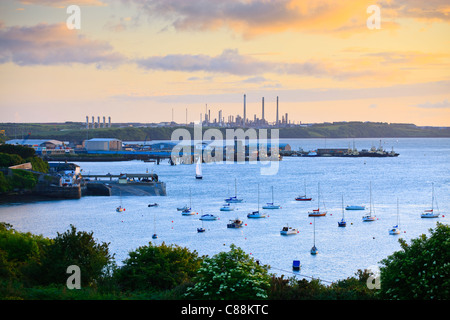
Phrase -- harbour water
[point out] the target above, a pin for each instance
(342, 251)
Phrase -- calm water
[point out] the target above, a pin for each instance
(342, 251)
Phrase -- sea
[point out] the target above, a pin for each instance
(408, 179)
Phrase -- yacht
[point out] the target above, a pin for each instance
(227, 207)
(430, 213)
(208, 217)
(369, 217)
(236, 223)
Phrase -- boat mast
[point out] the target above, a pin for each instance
(370, 204)
(398, 217)
(343, 207)
(432, 196)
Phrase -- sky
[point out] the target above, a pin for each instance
(151, 60)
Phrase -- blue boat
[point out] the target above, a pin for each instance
(342, 223)
(296, 265)
(355, 208)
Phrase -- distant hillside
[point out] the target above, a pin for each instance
(75, 132)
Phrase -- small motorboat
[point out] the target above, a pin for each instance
(152, 205)
(199, 230)
(154, 236)
(208, 217)
(296, 265)
(236, 223)
(120, 209)
(288, 231)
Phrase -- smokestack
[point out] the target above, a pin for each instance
(93, 122)
(245, 117)
(109, 122)
(277, 113)
(104, 122)
(87, 122)
(98, 121)
(263, 108)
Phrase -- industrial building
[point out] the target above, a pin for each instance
(103, 144)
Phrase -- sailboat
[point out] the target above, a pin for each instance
(154, 236)
(430, 213)
(370, 217)
(395, 229)
(314, 249)
(234, 199)
(120, 208)
(187, 211)
(256, 214)
(271, 205)
(304, 197)
(198, 169)
(227, 207)
(342, 223)
(317, 212)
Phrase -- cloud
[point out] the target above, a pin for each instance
(438, 10)
(437, 105)
(253, 17)
(230, 61)
(53, 44)
(63, 3)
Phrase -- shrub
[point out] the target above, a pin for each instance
(230, 275)
(157, 267)
(420, 270)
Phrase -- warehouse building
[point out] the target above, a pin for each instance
(103, 144)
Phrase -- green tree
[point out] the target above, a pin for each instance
(157, 267)
(230, 275)
(420, 270)
(74, 248)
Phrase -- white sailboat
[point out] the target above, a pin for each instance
(271, 205)
(234, 199)
(256, 214)
(370, 217)
(304, 197)
(317, 212)
(198, 169)
(431, 213)
(188, 211)
(395, 229)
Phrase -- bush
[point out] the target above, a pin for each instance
(230, 275)
(157, 268)
(420, 270)
(74, 248)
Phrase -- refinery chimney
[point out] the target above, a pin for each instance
(262, 109)
(245, 118)
(109, 122)
(87, 122)
(277, 113)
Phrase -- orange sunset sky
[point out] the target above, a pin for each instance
(137, 60)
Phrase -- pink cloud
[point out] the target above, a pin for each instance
(53, 44)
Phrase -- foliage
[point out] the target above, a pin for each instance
(74, 248)
(230, 275)
(8, 160)
(420, 270)
(157, 267)
(22, 151)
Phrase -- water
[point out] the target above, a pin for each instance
(342, 251)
